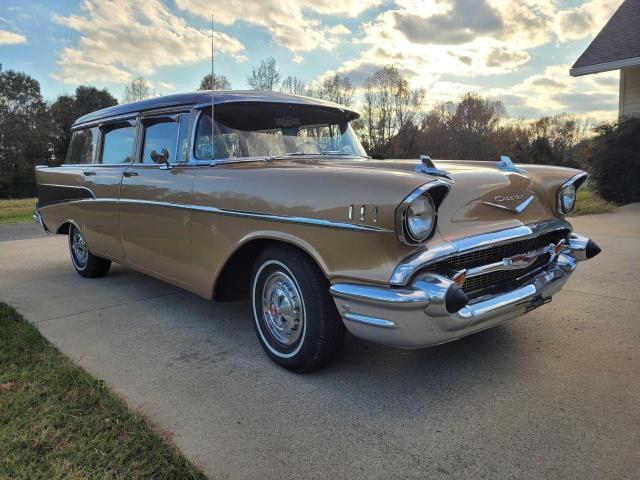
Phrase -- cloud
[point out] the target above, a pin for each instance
(297, 58)
(11, 38)
(122, 39)
(436, 42)
(587, 102)
(285, 20)
(585, 20)
(462, 22)
(504, 57)
(430, 39)
(554, 91)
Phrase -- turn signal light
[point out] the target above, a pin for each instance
(558, 248)
(460, 277)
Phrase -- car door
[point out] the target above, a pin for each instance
(100, 224)
(155, 200)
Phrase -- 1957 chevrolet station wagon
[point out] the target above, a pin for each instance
(276, 200)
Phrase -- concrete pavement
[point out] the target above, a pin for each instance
(20, 231)
(553, 394)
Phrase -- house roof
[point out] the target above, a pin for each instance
(204, 98)
(616, 46)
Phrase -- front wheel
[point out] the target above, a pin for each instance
(85, 262)
(295, 318)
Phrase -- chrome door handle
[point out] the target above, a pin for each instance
(88, 173)
(130, 174)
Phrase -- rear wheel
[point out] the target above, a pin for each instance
(295, 318)
(86, 263)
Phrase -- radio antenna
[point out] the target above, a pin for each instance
(213, 159)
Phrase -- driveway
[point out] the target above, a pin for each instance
(553, 394)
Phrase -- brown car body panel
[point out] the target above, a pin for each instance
(189, 247)
(183, 223)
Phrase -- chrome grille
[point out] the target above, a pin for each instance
(476, 286)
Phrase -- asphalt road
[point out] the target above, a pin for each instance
(553, 394)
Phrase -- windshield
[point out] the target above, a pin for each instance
(268, 130)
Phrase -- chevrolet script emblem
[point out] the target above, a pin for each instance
(515, 202)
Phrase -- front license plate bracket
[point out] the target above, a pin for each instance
(537, 302)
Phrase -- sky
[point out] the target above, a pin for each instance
(518, 51)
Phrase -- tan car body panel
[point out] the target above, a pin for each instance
(189, 247)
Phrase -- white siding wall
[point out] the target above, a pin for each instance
(630, 92)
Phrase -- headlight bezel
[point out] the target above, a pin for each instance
(573, 183)
(433, 192)
(410, 218)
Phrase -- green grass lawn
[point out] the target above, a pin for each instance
(588, 202)
(56, 421)
(15, 211)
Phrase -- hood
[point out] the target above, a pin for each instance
(482, 197)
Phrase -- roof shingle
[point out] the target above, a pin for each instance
(618, 41)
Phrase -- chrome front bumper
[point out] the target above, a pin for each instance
(418, 315)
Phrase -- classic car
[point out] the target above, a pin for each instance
(271, 197)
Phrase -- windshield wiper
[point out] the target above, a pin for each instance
(304, 154)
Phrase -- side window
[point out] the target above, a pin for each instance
(226, 142)
(160, 140)
(118, 141)
(83, 146)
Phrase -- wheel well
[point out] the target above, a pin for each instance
(235, 277)
(64, 228)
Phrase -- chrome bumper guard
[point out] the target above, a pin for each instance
(421, 314)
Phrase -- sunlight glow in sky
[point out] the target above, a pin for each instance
(518, 51)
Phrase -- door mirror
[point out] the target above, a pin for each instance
(162, 157)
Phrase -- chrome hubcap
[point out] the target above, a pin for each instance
(282, 308)
(79, 248)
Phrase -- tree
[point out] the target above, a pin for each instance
(265, 76)
(24, 133)
(220, 82)
(615, 160)
(293, 85)
(474, 121)
(68, 108)
(138, 89)
(336, 89)
(390, 105)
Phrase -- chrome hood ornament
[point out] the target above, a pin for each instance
(506, 165)
(516, 202)
(427, 166)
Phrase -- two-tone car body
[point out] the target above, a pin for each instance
(277, 201)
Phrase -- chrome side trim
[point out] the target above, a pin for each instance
(238, 213)
(578, 180)
(288, 219)
(408, 267)
(367, 320)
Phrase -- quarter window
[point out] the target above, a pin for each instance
(166, 139)
(117, 146)
(83, 146)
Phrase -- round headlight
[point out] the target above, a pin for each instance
(567, 198)
(420, 218)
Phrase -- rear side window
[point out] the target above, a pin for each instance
(166, 139)
(83, 146)
(118, 142)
